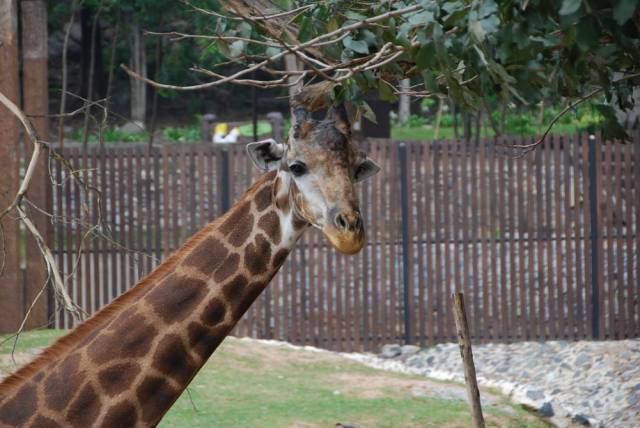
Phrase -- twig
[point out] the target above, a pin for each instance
(94, 27)
(289, 49)
(52, 267)
(571, 106)
(65, 48)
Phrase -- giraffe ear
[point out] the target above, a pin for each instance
(266, 154)
(365, 170)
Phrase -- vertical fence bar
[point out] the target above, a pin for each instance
(225, 191)
(595, 251)
(404, 206)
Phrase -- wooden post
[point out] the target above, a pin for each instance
(36, 102)
(464, 340)
(11, 302)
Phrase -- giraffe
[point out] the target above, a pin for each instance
(126, 365)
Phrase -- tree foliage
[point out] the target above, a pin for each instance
(474, 51)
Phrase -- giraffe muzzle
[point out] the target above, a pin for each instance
(346, 233)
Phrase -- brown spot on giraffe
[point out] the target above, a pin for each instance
(270, 223)
(257, 255)
(235, 288)
(283, 202)
(163, 396)
(18, 410)
(207, 256)
(132, 340)
(251, 293)
(176, 297)
(123, 414)
(61, 385)
(214, 312)
(228, 268)
(205, 340)
(118, 377)
(84, 409)
(238, 225)
(263, 198)
(173, 360)
(280, 257)
(44, 422)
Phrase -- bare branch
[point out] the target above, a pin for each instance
(176, 36)
(340, 32)
(52, 267)
(569, 107)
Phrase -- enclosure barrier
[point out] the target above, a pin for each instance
(544, 245)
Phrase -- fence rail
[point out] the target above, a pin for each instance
(544, 245)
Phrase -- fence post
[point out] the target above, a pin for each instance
(225, 198)
(207, 128)
(404, 206)
(595, 251)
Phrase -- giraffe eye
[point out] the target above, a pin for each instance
(298, 169)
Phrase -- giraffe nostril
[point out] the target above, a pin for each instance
(341, 222)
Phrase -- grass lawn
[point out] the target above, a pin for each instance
(426, 133)
(253, 384)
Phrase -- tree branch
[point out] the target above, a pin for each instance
(52, 267)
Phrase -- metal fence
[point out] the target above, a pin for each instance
(544, 245)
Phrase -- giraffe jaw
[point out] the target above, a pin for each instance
(345, 242)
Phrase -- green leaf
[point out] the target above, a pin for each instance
(611, 126)
(355, 16)
(421, 18)
(272, 50)
(570, 6)
(587, 33)
(476, 30)
(386, 93)
(359, 46)
(237, 48)
(430, 81)
(490, 24)
(425, 56)
(368, 113)
(623, 10)
(487, 8)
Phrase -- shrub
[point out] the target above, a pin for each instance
(112, 135)
(182, 135)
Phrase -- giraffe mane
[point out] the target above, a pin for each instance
(109, 312)
(103, 316)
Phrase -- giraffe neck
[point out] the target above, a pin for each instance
(131, 369)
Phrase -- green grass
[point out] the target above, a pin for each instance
(248, 384)
(29, 340)
(427, 133)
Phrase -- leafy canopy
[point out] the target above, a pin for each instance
(510, 51)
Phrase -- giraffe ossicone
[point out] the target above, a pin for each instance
(127, 364)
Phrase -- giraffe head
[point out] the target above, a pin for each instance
(317, 168)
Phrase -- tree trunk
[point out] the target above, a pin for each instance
(404, 106)
(454, 117)
(11, 301)
(154, 105)
(138, 64)
(291, 63)
(436, 132)
(36, 102)
(85, 45)
(100, 78)
(466, 123)
(90, 81)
